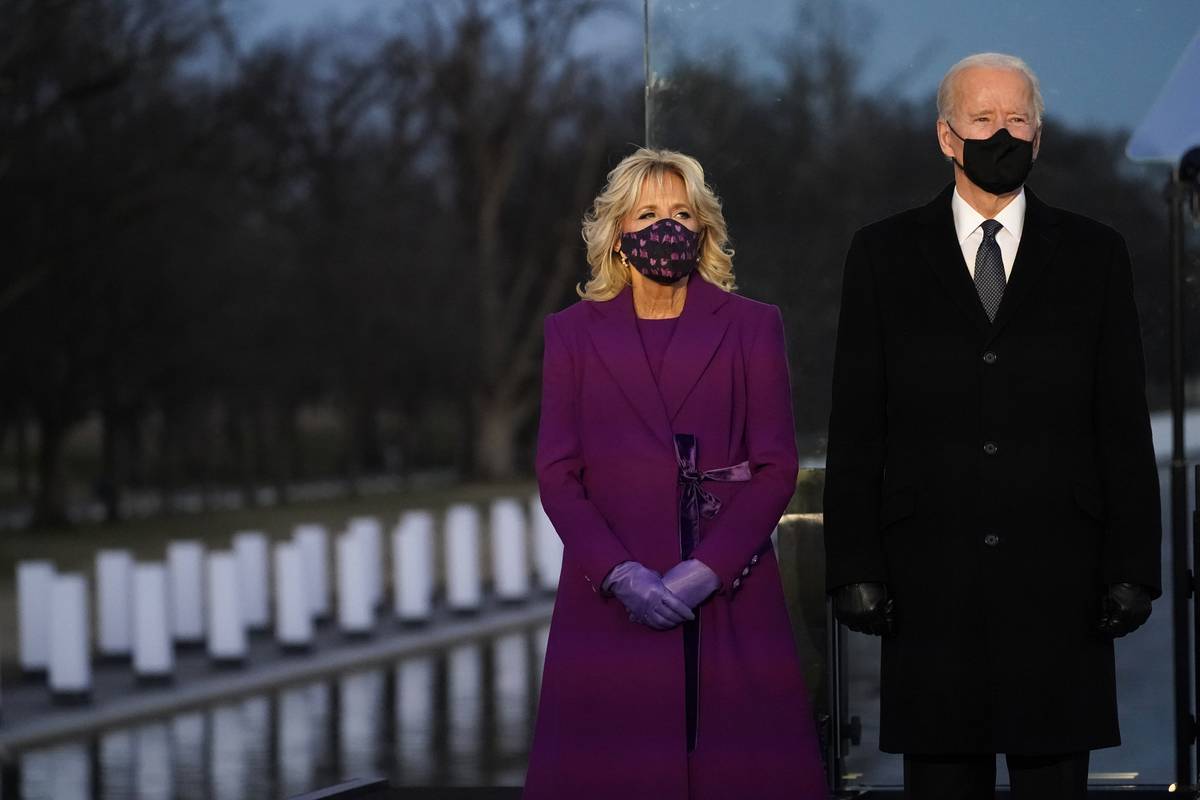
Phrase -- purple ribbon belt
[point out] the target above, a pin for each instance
(696, 502)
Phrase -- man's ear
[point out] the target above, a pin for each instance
(1037, 142)
(944, 136)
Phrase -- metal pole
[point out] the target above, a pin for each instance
(1183, 576)
(836, 696)
(647, 97)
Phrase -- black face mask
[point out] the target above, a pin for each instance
(998, 164)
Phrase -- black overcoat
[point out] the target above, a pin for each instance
(995, 476)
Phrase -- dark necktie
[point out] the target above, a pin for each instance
(989, 269)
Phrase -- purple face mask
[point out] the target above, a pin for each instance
(664, 252)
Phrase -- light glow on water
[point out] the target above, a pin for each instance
(462, 716)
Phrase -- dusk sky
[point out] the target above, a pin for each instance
(1101, 62)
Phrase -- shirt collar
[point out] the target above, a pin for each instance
(967, 220)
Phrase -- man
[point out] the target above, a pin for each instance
(991, 501)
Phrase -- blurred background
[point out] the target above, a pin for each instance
(272, 262)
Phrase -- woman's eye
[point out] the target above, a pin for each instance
(646, 215)
(684, 214)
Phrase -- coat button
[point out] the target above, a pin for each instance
(990, 448)
(991, 540)
(754, 559)
(745, 571)
(989, 357)
(737, 583)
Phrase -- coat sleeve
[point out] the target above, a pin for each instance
(1128, 470)
(586, 537)
(739, 531)
(857, 432)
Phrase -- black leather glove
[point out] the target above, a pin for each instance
(865, 608)
(1123, 609)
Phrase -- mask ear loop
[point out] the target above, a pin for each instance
(961, 139)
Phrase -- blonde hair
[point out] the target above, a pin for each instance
(947, 95)
(602, 223)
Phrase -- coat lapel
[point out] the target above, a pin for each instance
(697, 335)
(616, 339)
(1039, 240)
(939, 246)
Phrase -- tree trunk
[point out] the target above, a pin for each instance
(294, 444)
(166, 459)
(352, 452)
(235, 427)
(49, 507)
(281, 456)
(369, 442)
(109, 484)
(495, 439)
(136, 449)
(259, 447)
(22, 456)
(211, 419)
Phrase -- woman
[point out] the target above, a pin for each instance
(666, 456)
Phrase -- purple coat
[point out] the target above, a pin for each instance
(611, 721)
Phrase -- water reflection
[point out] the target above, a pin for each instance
(464, 713)
(188, 732)
(61, 772)
(302, 741)
(362, 709)
(462, 716)
(151, 762)
(414, 710)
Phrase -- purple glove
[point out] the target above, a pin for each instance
(691, 581)
(642, 593)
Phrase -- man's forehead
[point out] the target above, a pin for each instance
(981, 82)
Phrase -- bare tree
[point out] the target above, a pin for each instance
(508, 106)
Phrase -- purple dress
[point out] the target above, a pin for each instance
(656, 335)
(612, 714)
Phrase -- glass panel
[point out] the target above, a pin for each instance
(815, 118)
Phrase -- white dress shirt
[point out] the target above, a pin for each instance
(967, 222)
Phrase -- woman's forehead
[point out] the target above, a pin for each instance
(662, 186)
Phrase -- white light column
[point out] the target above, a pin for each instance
(355, 615)
(547, 546)
(185, 584)
(313, 540)
(226, 628)
(463, 592)
(70, 673)
(413, 567)
(153, 656)
(35, 582)
(293, 615)
(254, 581)
(510, 555)
(114, 603)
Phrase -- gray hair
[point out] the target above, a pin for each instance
(946, 96)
